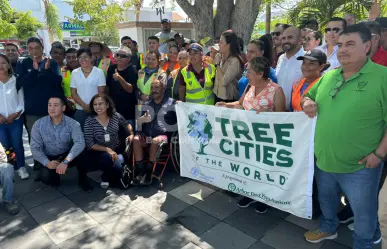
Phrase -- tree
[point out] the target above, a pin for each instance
(6, 13)
(200, 129)
(110, 36)
(238, 15)
(51, 14)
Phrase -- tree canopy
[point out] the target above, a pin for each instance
(51, 14)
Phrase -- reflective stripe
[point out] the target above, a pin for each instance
(202, 100)
(209, 69)
(193, 91)
(188, 75)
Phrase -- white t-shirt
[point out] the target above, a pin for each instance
(164, 37)
(289, 71)
(11, 101)
(87, 87)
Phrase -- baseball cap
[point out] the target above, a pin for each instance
(382, 21)
(196, 47)
(165, 21)
(314, 55)
(216, 47)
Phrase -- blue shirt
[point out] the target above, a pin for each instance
(243, 82)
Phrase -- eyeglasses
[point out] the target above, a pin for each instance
(308, 39)
(339, 85)
(335, 30)
(123, 56)
(276, 33)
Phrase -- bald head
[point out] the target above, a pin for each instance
(291, 40)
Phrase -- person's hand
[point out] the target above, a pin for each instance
(218, 58)
(144, 98)
(52, 164)
(48, 63)
(310, 108)
(112, 153)
(178, 101)
(371, 161)
(12, 117)
(146, 118)
(375, 10)
(3, 120)
(117, 76)
(61, 169)
(222, 104)
(35, 63)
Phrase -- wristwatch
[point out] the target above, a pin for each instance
(66, 161)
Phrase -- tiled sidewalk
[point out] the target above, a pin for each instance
(185, 215)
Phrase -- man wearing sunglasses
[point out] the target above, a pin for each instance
(121, 83)
(350, 138)
(332, 33)
(277, 41)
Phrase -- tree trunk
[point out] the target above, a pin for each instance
(243, 18)
(222, 18)
(268, 17)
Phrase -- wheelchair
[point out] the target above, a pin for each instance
(175, 151)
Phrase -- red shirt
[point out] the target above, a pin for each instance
(199, 76)
(380, 57)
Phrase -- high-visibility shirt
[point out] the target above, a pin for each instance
(142, 58)
(175, 76)
(195, 93)
(145, 87)
(104, 65)
(66, 81)
(296, 93)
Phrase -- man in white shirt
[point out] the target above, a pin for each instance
(332, 35)
(288, 67)
(165, 35)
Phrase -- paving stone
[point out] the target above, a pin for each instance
(53, 210)
(96, 237)
(218, 205)
(162, 205)
(39, 197)
(23, 187)
(260, 245)
(226, 237)
(36, 238)
(194, 220)
(251, 222)
(138, 195)
(4, 213)
(68, 226)
(172, 180)
(286, 235)
(191, 245)
(333, 245)
(16, 226)
(109, 208)
(192, 192)
(127, 227)
(304, 223)
(344, 235)
(69, 181)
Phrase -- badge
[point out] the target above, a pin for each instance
(107, 138)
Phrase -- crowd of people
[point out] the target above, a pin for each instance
(82, 108)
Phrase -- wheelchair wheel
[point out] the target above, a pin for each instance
(175, 152)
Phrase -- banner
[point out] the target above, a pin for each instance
(268, 156)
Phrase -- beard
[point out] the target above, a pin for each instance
(288, 47)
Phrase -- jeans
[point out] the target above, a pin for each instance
(103, 160)
(361, 189)
(80, 116)
(11, 135)
(6, 180)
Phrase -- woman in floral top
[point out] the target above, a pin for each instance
(261, 95)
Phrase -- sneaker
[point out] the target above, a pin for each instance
(345, 215)
(245, 202)
(377, 239)
(316, 236)
(12, 207)
(351, 226)
(23, 173)
(261, 208)
(104, 185)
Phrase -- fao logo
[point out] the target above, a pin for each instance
(195, 172)
(232, 187)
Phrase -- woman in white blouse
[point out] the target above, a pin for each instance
(11, 108)
(86, 82)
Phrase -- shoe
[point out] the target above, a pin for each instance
(261, 208)
(351, 226)
(12, 207)
(316, 236)
(22, 172)
(245, 202)
(377, 239)
(104, 185)
(345, 215)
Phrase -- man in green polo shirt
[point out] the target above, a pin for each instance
(350, 137)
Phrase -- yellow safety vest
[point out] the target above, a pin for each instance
(104, 65)
(195, 93)
(145, 87)
(142, 59)
(66, 81)
(174, 75)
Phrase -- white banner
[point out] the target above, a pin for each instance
(268, 157)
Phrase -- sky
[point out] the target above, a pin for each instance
(168, 4)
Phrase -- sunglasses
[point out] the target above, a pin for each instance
(339, 85)
(308, 39)
(336, 30)
(276, 33)
(121, 56)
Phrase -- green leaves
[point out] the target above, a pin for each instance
(52, 19)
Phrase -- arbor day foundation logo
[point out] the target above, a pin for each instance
(200, 129)
(231, 187)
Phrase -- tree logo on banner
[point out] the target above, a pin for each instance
(200, 129)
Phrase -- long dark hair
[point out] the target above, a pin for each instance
(267, 48)
(232, 39)
(10, 69)
(110, 110)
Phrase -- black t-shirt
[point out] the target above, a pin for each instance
(125, 102)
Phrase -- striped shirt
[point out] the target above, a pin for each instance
(48, 139)
(95, 133)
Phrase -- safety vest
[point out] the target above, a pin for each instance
(166, 65)
(296, 96)
(145, 87)
(66, 81)
(142, 59)
(174, 75)
(104, 65)
(195, 93)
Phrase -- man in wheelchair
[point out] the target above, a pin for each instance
(155, 127)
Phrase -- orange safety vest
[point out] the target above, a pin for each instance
(296, 96)
(166, 65)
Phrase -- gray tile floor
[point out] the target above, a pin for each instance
(185, 215)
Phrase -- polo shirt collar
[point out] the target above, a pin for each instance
(299, 53)
(190, 67)
(61, 122)
(367, 68)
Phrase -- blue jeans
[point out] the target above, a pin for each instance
(81, 116)
(11, 135)
(104, 162)
(6, 180)
(361, 188)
